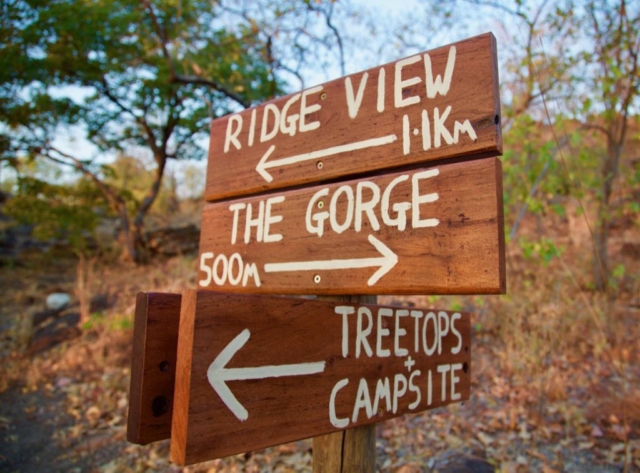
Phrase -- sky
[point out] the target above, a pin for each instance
(384, 13)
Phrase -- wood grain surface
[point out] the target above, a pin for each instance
(403, 113)
(351, 450)
(386, 378)
(452, 241)
(153, 367)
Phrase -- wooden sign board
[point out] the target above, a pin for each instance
(255, 371)
(435, 105)
(153, 367)
(436, 230)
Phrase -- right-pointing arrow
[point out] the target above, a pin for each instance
(218, 374)
(385, 263)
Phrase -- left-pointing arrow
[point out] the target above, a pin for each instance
(218, 374)
(263, 164)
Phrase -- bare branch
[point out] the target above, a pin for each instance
(181, 78)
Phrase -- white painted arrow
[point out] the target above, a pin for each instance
(263, 165)
(218, 375)
(385, 262)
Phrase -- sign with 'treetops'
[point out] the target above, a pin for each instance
(255, 371)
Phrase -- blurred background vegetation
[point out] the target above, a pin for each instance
(105, 108)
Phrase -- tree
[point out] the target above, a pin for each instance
(569, 69)
(613, 82)
(150, 75)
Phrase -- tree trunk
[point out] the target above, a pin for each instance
(130, 250)
(600, 243)
(610, 170)
(141, 212)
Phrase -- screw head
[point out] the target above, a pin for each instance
(323, 96)
(319, 164)
(317, 279)
(320, 204)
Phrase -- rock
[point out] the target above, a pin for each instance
(174, 241)
(57, 300)
(467, 464)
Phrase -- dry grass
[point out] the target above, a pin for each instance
(553, 364)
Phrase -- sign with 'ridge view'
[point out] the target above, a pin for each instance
(439, 104)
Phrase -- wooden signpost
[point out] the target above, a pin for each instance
(259, 371)
(381, 182)
(435, 105)
(435, 230)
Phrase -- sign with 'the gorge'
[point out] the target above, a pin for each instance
(435, 230)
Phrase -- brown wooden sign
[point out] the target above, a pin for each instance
(436, 230)
(153, 367)
(255, 371)
(439, 104)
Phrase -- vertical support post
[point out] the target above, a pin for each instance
(352, 450)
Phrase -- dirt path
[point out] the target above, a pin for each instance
(31, 425)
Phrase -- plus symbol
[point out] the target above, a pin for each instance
(409, 363)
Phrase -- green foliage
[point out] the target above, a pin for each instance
(70, 212)
(100, 320)
(129, 75)
(544, 249)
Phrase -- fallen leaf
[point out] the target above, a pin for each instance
(523, 434)
(618, 448)
(485, 438)
(548, 469)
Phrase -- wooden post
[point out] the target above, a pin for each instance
(351, 450)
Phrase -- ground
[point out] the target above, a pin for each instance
(556, 377)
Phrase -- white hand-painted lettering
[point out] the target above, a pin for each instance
(414, 389)
(398, 333)
(366, 207)
(439, 85)
(333, 215)
(345, 311)
(417, 199)
(408, 388)
(262, 222)
(455, 350)
(308, 110)
(362, 401)
(270, 220)
(354, 211)
(400, 84)
(354, 102)
(288, 122)
(406, 137)
(234, 127)
(383, 332)
(362, 332)
(233, 270)
(265, 134)
(381, 90)
(252, 128)
(333, 418)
